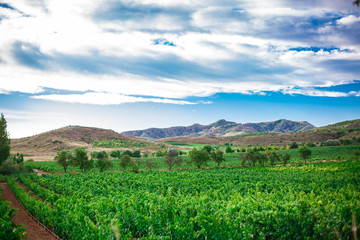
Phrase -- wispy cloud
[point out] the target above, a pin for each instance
(105, 99)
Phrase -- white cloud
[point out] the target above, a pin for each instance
(348, 20)
(315, 93)
(105, 99)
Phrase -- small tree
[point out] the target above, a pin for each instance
(150, 164)
(99, 155)
(104, 164)
(304, 153)
(63, 158)
(199, 157)
(115, 154)
(228, 149)
(285, 158)
(4, 140)
(208, 148)
(217, 156)
(135, 153)
(127, 152)
(273, 157)
(172, 158)
(293, 145)
(125, 160)
(357, 154)
(81, 159)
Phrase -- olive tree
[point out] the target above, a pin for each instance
(63, 158)
(81, 159)
(217, 156)
(304, 153)
(172, 158)
(125, 161)
(199, 157)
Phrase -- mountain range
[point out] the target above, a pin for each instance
(221, 128)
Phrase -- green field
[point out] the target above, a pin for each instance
(294, 202)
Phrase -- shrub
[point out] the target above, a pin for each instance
(330, 142)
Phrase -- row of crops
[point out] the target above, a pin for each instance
(317, 201)
(8, 229)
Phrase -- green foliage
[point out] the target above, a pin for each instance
(115, 154)
(273, 157)
(217, 156)
(103, 164)
(8, 229)
(10, 167)
(160, 153)
(310, 144)
(346, 141)
(4, 140)
(150, 164)
(330, 142)
(63, 158)
(99, 155)
(199, 157)
(305, 153)
(120, 143)
(228, 149)
(125, 161)
(251, 156)
(172, 158)
(357, 154)
(127, 152)
(293, 145)
(208, 148)
(290, 202)
(285, 158)
(136, 154)
(79, 158)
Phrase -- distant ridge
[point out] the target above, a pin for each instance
(221, 128)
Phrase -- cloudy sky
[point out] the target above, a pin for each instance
(128, 65)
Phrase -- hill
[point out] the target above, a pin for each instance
(342, 130)
(221, 128)
(67, 138)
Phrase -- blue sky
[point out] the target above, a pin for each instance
(126, 65)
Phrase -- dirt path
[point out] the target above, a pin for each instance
(33, 229)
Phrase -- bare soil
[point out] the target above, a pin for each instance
(33, 229)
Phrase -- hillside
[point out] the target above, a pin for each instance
(342, 130)
(66, 138)
(221, 128)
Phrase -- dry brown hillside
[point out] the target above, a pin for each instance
(66, 138)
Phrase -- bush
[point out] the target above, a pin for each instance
(228, 149)
(310, 144)
(10, 167)
(330, 142)
(346, 141)
(293, 145)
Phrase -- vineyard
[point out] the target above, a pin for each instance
(316, 201)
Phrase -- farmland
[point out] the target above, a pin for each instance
(232, 159)
(306, 201)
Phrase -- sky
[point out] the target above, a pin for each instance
(130, 65)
